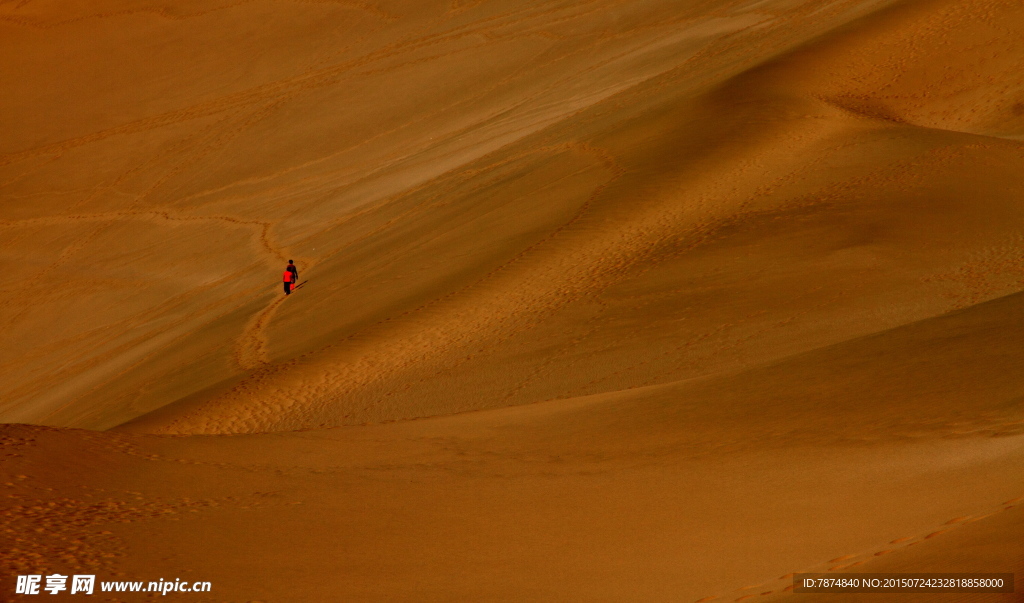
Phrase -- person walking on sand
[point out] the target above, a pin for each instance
(290, 277)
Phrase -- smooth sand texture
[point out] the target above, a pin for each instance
(604, 300)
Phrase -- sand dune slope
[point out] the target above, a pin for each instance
(542, 236)
(572, 156)
(604, 300)
(160, 161)
(722, 227)
(715, 487)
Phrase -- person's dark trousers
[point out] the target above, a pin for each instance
(287, 288)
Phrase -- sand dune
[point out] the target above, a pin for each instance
(674, 492)
(604, 300)
(385, 206)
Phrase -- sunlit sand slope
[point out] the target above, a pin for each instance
(872, 454)
(694, 223)
(450, 177)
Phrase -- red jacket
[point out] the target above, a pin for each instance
(289, 277)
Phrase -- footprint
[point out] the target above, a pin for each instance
(980, 517)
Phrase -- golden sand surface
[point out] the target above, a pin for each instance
(602, 300)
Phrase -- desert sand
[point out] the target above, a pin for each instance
(603, 300)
